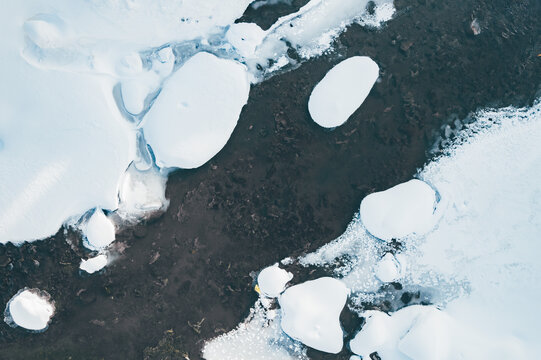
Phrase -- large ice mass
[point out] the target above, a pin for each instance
(31, 309)
(342, 91)
(311, 313)
(477, 264)
(197, 111)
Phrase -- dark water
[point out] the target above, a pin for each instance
(281, 187)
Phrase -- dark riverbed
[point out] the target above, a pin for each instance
(281, 187)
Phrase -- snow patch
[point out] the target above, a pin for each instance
(342, 91)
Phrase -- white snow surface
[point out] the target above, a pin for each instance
(313, 28)
(79, 78)
(479, 264)
(412, 333)
(30, 309)
(94, 264)
(245, 37)
(342, 91)
(98, 231)
(196, 112)
(311, 313)
(399, 211)
(259, 337)
(272, 281)
(51, 123)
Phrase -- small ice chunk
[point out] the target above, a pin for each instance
(388, 268)
(99, 231)
(94, 264)
(30, 309)
(399, 211)
(141, 193)
(311, 313)
(272, 280)
(374, 334)
(196, 112)
(343, 89)
(245, 37)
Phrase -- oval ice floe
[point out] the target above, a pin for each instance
(31, 309)
(272, 280)
(343, 89)
(402, 210)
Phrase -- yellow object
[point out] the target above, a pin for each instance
(257, 290)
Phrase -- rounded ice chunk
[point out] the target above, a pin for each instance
(196, 111)
(245, 37)
(94, 264)
(374, 334)
(343, 89)
(311, 313)
(272, 280)
(30, 309)
(402, 210)
(99, 231)
(388, 268)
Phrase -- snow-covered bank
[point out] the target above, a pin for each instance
(477, 265)
(87, 85)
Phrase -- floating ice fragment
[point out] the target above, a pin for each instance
(343, 89)
(99, 231)
(375, 333)
(399, 211)
(414, 332)
(196, 112)
(94, 264)
(388, 268)
(245, 37)
(142, 192)
(31, 309)
(311, 313)
(272, 280)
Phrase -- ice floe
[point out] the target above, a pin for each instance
(141, 193)
(342, 91)
(272, 281)
(415, 332)
(388, 269)
(94, 264)
(30, 309)
(196, 112)
(400, 211)
(98, 231)
(311, 313)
